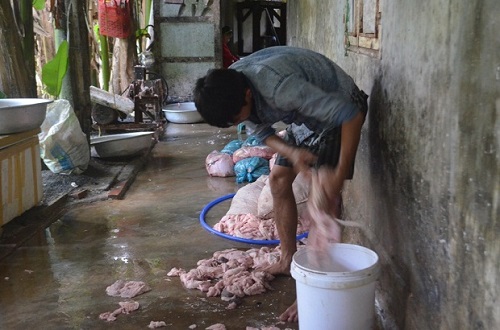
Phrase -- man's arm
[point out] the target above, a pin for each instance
(331, 180)
(350, 136)
(302, 159)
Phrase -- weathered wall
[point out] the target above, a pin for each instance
(189, 43)
(427, 182)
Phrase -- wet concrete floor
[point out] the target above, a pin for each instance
(58, 279)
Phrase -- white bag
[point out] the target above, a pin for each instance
(300, 188)
(246, 198)
(63, 145)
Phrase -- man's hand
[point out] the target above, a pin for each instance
(322, 211)
(329, 182)
(302, 159)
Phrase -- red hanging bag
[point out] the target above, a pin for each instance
(114, 18)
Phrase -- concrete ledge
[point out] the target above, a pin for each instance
(112, 180)
(32, 222)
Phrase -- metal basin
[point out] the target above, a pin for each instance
(20, 115)
(122, 145)
(182, 113)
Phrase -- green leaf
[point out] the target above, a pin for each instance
(54, 71)
(139, 33)
(39, 4)
(96, 30)
(2, 95)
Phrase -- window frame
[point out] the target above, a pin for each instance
(355, 40)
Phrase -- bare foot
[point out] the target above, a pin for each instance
(291, 314)
(279, 268)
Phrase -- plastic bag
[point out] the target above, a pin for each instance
(250, 169)
(231, 147)
(255, 151)
(252, 141)
(219, 164)
(63, 145)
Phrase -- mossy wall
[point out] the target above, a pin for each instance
(427, 178)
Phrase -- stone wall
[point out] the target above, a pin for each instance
(427, 181)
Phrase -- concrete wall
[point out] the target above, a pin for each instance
(427, 182)
(189, 43)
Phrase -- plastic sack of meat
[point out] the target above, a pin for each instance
(250, 169)
(255, 151)
(219, 164)
(231, 147)
(252, 141)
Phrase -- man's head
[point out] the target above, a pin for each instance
(220, 96)
(226, 30)
(227, 34)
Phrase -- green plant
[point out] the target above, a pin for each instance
(142, 18)
(2, 95)
(104, 54)
(54, 71)
(39, 4)
(142, 33)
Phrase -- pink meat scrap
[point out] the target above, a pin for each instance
(156, 324)
(231, 273)
(128, 289)
(217, 326)
(250, 226)
(253, 151)
(126, 307)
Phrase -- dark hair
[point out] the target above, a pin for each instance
(226, 29)
(220, 95)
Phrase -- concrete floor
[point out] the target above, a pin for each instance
(57, 280)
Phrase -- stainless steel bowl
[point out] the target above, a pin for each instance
(182, 113)
(20, 115)
(122, 145)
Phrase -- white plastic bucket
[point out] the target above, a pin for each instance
(336, 288)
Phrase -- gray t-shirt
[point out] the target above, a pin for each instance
(298, 86)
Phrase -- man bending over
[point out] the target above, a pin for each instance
(324, 110)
